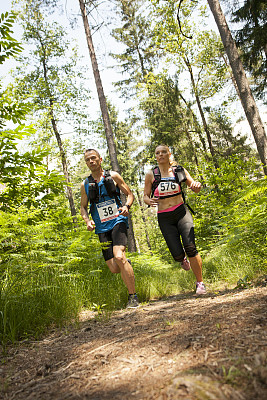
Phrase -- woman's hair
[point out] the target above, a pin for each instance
(171, 158)
(92, 150)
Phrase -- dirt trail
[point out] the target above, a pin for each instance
(182, 347)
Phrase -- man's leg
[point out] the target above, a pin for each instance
(117, 262)
(125, 268)
(113, 266)
(119, 265)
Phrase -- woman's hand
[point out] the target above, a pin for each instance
(153, 202)
(195, 186)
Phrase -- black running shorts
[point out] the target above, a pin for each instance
(115, 237)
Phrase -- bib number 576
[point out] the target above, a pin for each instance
(167, 186)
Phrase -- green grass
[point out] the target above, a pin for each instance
(47, 279)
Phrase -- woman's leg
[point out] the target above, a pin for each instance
(186, 229)
(168, 226)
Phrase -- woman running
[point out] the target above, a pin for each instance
(174, 218)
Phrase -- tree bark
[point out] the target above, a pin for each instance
(131, 239)
(64, 164)
(144, 220)
(105, 115)
(100, 92)
(58, 137)
(204, 122)
(247, 99)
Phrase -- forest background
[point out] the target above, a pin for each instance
(174, 86)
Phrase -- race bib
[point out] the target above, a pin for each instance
(168, 188)
(107, 210)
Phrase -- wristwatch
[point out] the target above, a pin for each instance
(127, 205)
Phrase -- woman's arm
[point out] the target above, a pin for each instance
(194, 185)
(147, 190)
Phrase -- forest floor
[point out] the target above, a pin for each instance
(182, 347)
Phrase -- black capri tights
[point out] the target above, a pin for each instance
(175, 225)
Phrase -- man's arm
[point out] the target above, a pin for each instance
(126, 190)
(84, 213)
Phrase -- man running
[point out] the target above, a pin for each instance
(109, 217)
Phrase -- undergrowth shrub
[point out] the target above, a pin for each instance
(49, 271)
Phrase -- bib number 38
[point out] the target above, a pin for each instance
(107, 210)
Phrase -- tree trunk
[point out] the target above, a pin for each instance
(64, 163)
(131, 239)
(144, 220)
(247, 99)
(196, 124)
(105, 115)
(100, 92)
(204, 122)
(57, 135)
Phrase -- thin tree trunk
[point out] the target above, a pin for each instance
(59, 141)
(231, 75)
(100, 92)
(144, 220)
(247, 99)
(131, 239)
(204, 122)
(196, 124)
(105, 115)
(64, 163)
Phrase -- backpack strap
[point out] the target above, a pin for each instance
(111, 188)
(157, 179)
(92, 191)
(180, 177)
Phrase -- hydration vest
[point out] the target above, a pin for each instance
(180, 177)
(111, 188)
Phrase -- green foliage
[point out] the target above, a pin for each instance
(222, 186)
(230, 220)
(140, 54)
(200, 55)
(48, 271)
(50, 77)
(25, 178)
(251, 38)
(34, 292)
(244, 283)
(9, 47)
(230, 374)
(164, 99)
(221, 130)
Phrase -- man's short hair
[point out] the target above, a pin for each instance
(94, 151)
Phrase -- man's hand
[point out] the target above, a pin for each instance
(124, 211)
(90, 225)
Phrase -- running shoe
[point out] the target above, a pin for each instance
(200, 288)
(133, 301)
(185, 264)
